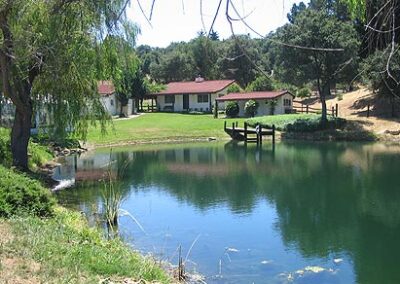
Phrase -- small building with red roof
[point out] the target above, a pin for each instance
(283, 101)
(110, 102)
(197, 95)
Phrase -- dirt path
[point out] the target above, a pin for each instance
(354, 105)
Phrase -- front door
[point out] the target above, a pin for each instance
(186, 102)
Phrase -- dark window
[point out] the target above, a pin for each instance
(287, 102)
(170, 99)
(202, 98)
(112, 102)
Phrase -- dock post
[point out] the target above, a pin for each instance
(260, 133)
(273, 135)
(337, 110)
(225, 125)
(237, 124)
(233, 126)
(245, 132)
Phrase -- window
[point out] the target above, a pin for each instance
(170, 99)
(112, 102)
(287, 102)
(202, 98)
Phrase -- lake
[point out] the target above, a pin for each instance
(299, 213)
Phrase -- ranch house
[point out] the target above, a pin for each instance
(197, 95)
(110, 102)
(274, 102)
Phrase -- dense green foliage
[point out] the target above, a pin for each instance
(296, 122)
(39, 154)
(250, 108)
(234, 88)
(262, 83)
(21, 195)
(383, 81)
(232, 109)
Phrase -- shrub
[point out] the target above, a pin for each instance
(39, 154)
(272, 105)
(20, 195)
(232, 109)
(5, 151)
(250, 108)
(262, 83)
(234, 88)
(303, 93)
(297, 122)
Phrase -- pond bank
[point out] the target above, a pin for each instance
(64, 249)
(43, 242)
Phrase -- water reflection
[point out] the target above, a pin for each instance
(327, 200)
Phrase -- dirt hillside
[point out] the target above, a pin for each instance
(354, 105)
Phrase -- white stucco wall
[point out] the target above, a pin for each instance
(264, 108)
(193, 103)
(108, 106)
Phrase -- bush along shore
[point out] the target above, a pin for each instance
(308, 127)
(44, 242)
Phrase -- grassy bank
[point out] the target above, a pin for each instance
(43, 243)
(63, 249)
(159, 127)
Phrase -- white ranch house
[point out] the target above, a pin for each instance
(197, 95)
(110, 102)
(284, 101)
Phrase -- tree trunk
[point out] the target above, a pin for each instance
(20, 134)
(322, 96)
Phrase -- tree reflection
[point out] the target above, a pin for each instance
(330, 198)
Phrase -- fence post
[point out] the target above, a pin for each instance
(245, 132)
(306, 108)
(333, 111)
(337, 110)
(273, 134)
(368, 111)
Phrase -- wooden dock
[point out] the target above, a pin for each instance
(249, 135)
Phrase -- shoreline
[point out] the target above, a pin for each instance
(281, 136)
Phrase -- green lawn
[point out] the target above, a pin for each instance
(160, 127)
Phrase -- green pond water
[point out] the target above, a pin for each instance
(301, 213)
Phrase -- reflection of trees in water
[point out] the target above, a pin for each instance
(330, 198)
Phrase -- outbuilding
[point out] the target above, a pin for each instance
(271, 102)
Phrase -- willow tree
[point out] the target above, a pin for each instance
(49, 53)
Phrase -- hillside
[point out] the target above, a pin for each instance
(353, 106)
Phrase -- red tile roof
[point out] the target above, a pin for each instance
(252, 96)
(105, 88)
(193, 87)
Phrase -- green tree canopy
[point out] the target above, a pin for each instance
(49, 52)
(331, 46)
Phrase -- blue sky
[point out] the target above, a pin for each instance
(180, 20)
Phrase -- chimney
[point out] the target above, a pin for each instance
(199, 79)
